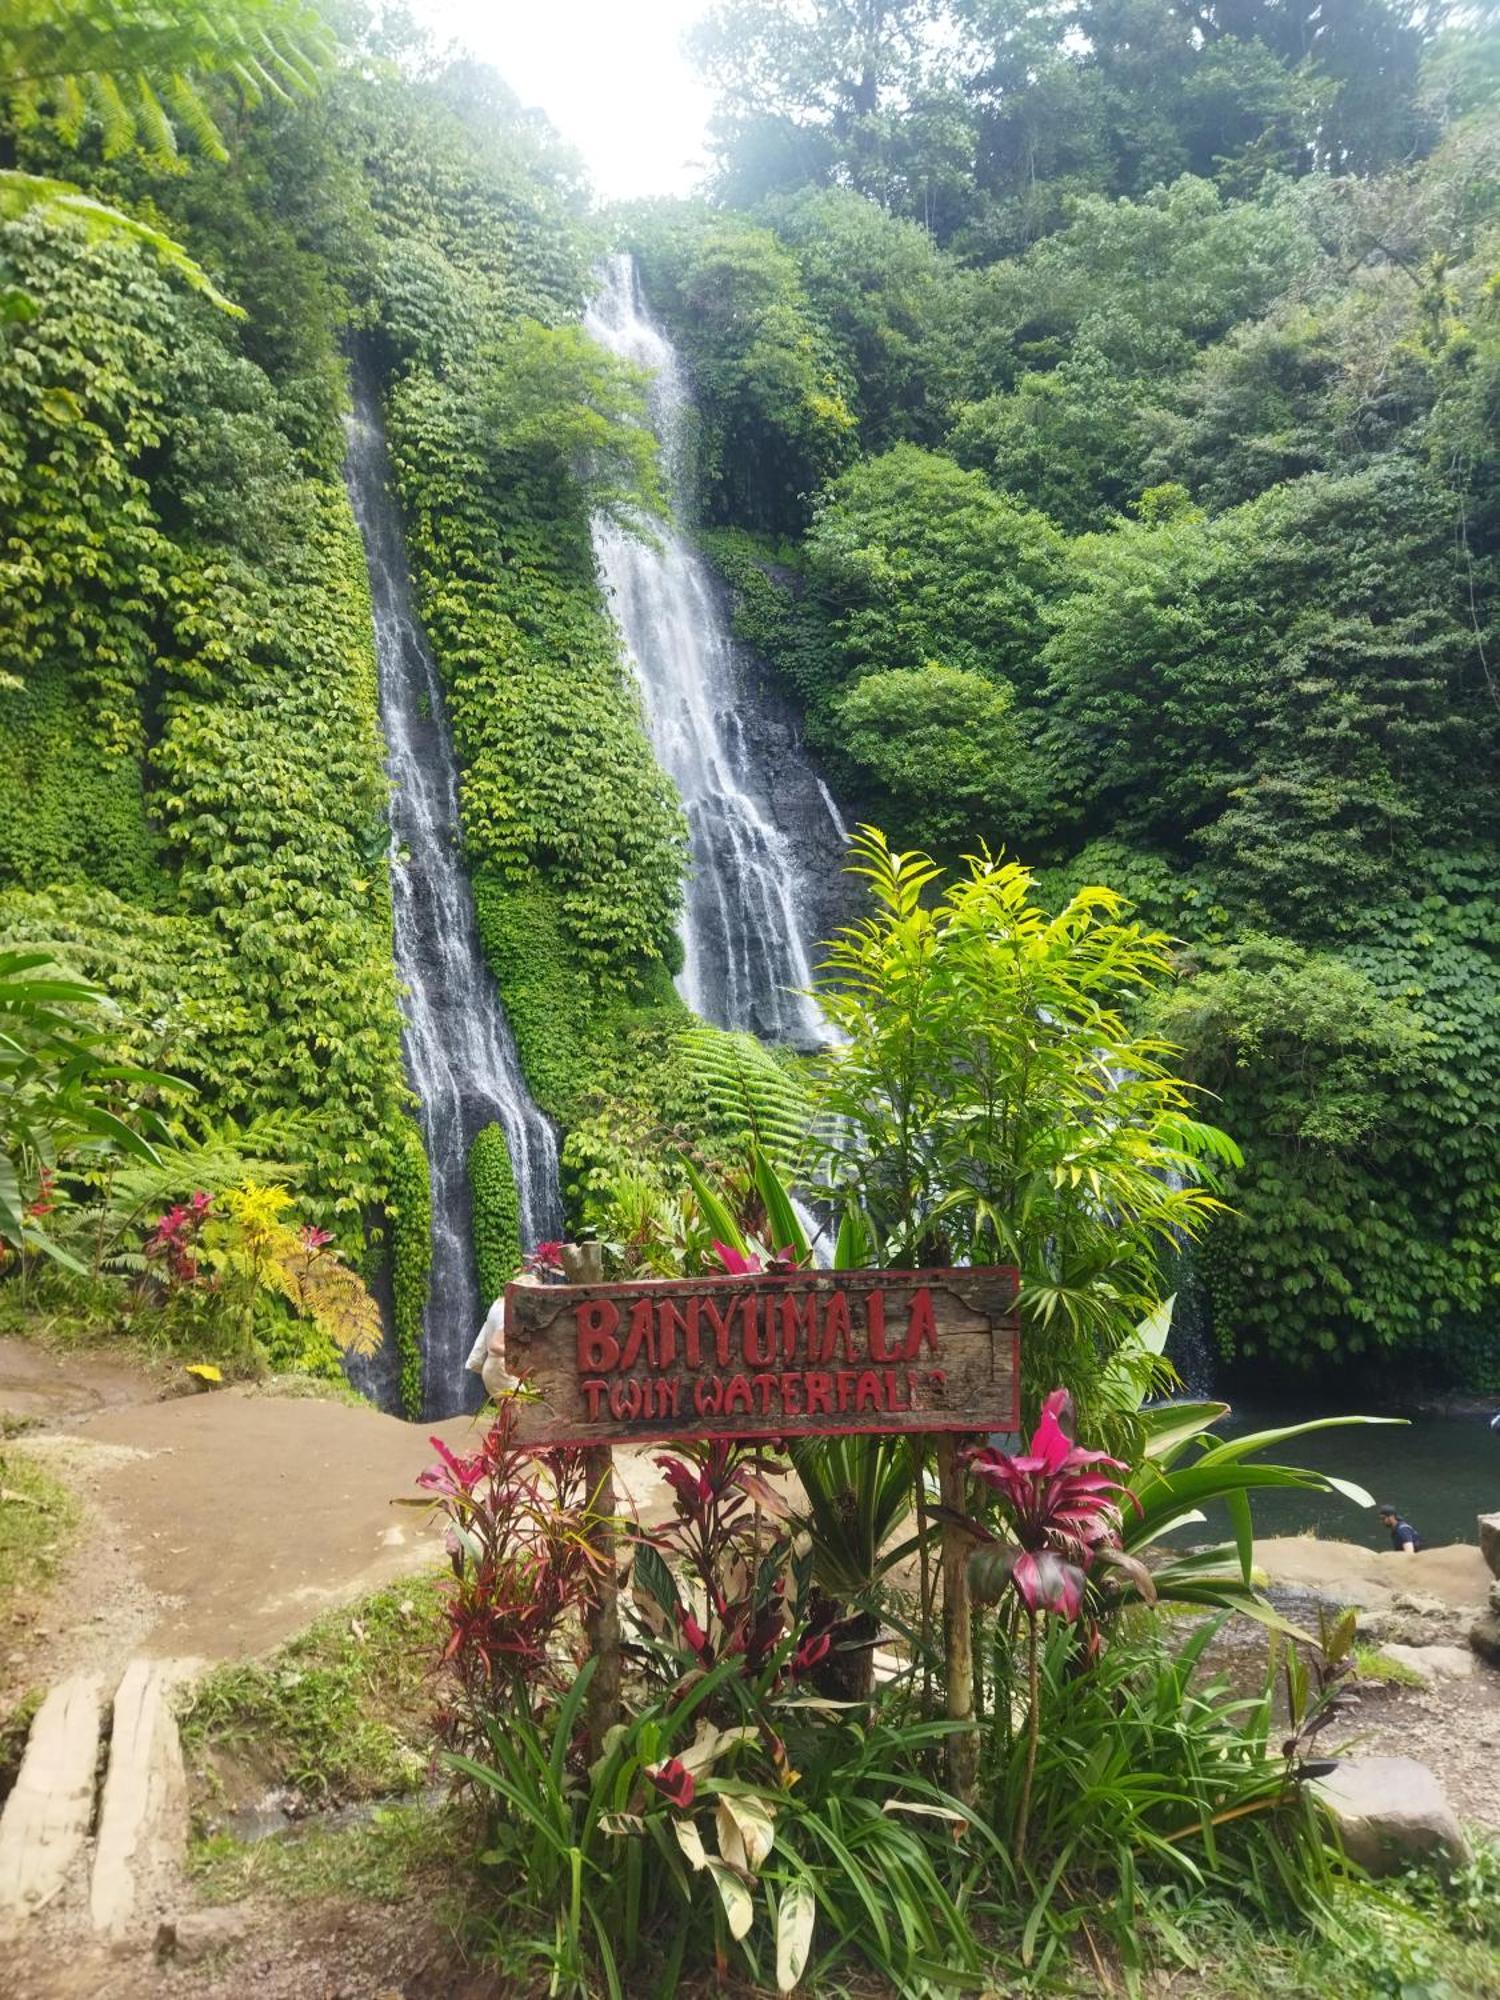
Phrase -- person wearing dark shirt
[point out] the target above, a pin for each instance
(1403, 1535)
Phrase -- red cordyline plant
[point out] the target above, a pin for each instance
(1060, 1507)
(525, 1571)
(745, 1598)
(174, 1239)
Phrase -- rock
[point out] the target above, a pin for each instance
(1408, 1628)
(1489, 1541)
(1432, 1608)
(1484, 1637)
(1433, 1663)
(196, 1934)
(1389, 1811)
(1495, 1595)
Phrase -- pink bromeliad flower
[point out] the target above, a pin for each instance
(735, 1262)
(452, 1475)
(1061, 1505)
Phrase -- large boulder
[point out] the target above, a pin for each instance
(1390, 1811)
(1489, 1541)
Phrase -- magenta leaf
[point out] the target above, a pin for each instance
(735, 1262)
(1046, 1583)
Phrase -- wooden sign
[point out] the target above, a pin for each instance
(802, 1353)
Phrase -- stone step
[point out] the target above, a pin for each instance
(143, 1813)
(48, 1814)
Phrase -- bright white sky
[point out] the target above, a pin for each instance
(610, 75)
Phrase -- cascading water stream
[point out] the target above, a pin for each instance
(460, 1053)
(757, 812)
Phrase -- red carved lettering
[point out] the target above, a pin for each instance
(875, 1321)
(624, 1399)
(846, 1379)
(760, 1340)
(791, 1394)
(673, 1320)
(708, 1395)
(594, 1393)
(598, 1350)
(799, 1316)
(738, 1396)
(836, 1328)
(641, 1334)
(765, 1386)
(921, 1327)
(870, 1394)
(720, 1322)
(819, 1392)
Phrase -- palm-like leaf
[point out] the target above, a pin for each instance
(138, 68)
(65, 1103)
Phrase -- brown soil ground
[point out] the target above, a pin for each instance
(218, 1523)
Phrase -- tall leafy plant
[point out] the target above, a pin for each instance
(988, 1101)
(65, 1102)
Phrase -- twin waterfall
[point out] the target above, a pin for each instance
(746, 960)
(460, 1054)
(767, 842)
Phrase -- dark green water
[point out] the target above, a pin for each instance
(1440, 1472)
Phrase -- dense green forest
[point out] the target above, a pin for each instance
(1099, 431)
(1099, 411)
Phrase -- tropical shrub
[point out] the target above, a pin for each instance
(67, 1104)
(987, 1101)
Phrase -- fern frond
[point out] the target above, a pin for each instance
(155, 126)
(193, 113)
(747, 1092)
(116, 120)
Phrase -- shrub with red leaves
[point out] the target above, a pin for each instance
(745, 1595)
(174, 1240)
(525, 1572)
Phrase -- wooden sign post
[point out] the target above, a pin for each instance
(777, 1354)
(770, 1355)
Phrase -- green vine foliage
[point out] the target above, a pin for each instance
(409, 1206)
(558, 784)
(497, 1212)
(187, 616)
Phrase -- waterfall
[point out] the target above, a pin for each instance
(460, 1054)
(756, 812)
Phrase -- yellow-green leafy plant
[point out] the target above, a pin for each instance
(254, 1248)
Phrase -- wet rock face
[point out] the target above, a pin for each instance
(1389, 1812)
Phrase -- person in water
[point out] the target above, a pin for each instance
(1403, 1535)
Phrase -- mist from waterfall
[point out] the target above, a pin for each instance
(460, 1054)
(745, 924)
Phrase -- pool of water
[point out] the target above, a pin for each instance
(1439, 1471)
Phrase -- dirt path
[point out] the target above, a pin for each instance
(218, 1524)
